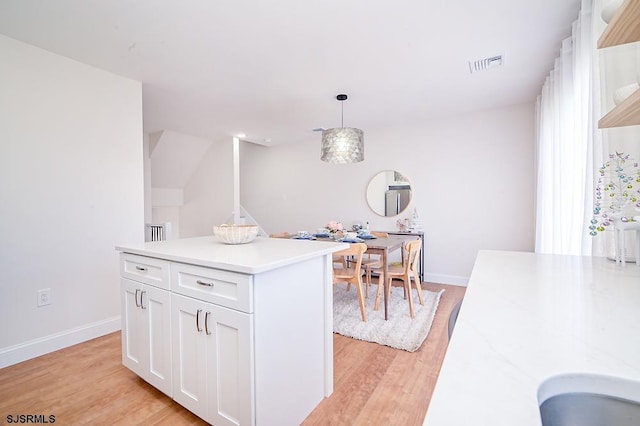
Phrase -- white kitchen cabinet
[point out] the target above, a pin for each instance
(250, 326)
(212, 366)
(146, 335)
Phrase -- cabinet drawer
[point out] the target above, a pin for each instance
(147, 270)
(223, 288)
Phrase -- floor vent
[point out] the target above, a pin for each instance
(485, 64)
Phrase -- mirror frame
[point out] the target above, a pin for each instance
(382, 182)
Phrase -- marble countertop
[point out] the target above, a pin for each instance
(262, 254)
(528, 317)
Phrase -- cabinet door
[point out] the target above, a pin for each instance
(156, 305)
(229, 336)
(134, 335)
(189, 354)
(146, 335)
(212, 366)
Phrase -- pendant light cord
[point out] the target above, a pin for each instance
(342, 97)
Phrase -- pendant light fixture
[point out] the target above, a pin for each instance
(342, 145)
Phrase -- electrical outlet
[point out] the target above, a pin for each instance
(44, 297)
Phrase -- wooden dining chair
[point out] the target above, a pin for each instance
(353, 273)
(373, 262)
(281, 235)
(340, 260)
(408, 273)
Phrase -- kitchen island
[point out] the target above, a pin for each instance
(238, 334)
(527, 318)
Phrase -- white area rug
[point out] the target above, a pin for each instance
(399, 331)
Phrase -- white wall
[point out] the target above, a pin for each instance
(174, 157)
(71, 173)
(208, 196)
(167, 197)
(472, 178)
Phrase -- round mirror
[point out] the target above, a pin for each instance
(389, 193)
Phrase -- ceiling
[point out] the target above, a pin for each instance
(272, 69)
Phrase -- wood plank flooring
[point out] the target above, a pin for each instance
(87, 384)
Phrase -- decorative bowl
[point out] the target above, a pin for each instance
(235, 234)
(610, 9)
(624, 92)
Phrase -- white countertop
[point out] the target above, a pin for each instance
(527, 317)
(260, 255)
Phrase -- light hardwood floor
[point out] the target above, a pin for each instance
(87, 384)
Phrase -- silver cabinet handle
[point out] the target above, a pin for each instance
(142, 294)
(198, 320)
(204, 283)
(206, 322)
(136, 297)
(140, 268)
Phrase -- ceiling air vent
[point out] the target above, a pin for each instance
(485, 64)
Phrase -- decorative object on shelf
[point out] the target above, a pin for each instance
(335, 228)
(618, 186)
(610, 9)
(624, 28)
(415, 224)
(342, 145)
(403, 224)
(235, 234)
(622, 93)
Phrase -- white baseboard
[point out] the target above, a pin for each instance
(14, 354)
(446, 279)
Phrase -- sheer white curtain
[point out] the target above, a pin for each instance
(567, 113)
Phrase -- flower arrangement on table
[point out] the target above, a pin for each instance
(618, 185)
(334, 227)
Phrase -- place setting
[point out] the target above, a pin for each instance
(304, 235)
(343, 236)
(322, 233)
(335, 231)
(357, 236)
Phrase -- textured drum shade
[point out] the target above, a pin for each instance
(342, 145)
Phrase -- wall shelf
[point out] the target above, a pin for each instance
(626, 113)
(623, 28)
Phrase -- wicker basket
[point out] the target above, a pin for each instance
(235, 234)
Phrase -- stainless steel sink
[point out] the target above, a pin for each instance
(589, 400)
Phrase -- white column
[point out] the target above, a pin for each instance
(236, 180)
